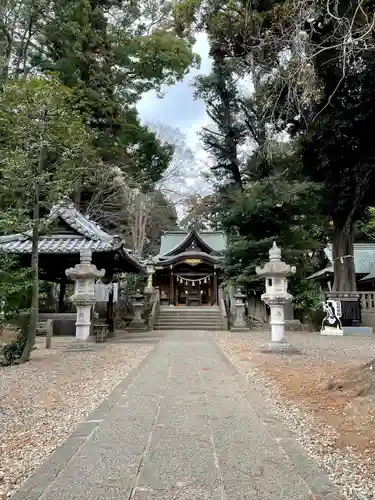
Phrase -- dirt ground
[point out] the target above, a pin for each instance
(306, 380)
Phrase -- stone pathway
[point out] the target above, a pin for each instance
(183, 426)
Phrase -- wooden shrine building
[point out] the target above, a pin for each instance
(67, 232)
(188, 268)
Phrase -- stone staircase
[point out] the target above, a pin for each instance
(189, 318)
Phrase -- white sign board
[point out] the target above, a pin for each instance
(331, 324)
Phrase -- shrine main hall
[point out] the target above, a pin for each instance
(189, 267)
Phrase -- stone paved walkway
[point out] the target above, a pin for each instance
(185, 425)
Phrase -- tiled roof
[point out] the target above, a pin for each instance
(364, 257)
(364, 260)
(90, 235)
(171, 240)
(22, 244)
(166, 260)
(81, 223)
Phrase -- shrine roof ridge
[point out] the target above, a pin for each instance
(167, 259)
(173, 241)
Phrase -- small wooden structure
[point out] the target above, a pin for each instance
(67, 232)
(188, 268)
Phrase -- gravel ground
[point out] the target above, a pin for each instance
(42, 402)
(351, 472)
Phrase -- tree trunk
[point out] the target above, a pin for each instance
(5, 49)
(343, 259)
(31, 334)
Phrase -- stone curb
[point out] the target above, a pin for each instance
(46, 473)
(316, 478)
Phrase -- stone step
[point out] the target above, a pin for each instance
(191, 316)
(188, 320)
(186, 326)
(190, 327)
(196, 315)
(190, 313)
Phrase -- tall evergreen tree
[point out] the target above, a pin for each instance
(227, 133)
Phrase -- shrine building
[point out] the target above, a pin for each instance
(189, 267)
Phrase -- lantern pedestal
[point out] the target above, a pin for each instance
(84, 275)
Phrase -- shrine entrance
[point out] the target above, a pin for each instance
(187, 270)
(189, 293)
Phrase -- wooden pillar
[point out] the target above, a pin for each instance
(171, 287)
(215, 288)
(62, 290)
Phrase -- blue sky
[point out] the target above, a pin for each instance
(178, 108)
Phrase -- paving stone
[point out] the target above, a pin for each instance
(186, 426)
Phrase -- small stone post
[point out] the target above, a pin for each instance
(275, 272)
(138, 302)
(239, 324)
(84, 275)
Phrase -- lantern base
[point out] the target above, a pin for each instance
(82, 345)
(137, 327)
(280, 347)
(239, 329)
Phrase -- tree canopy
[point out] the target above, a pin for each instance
(308, 74)
(71, 73)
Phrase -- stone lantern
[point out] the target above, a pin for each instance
(84, 274)
(150, 269)
(239, 324)
(276, 272)
(138, 303)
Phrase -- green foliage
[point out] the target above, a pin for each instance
(365, 228)
(307, 299)
(228, 131)
(110, 53)
(45, 153)
(336, 150)
(39, 123)
(320, 92)
(11, 353)
(15, 288)
(273, 209)
(261, 195)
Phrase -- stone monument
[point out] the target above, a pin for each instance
(276, 272)
(239, 323)
(84, 274)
